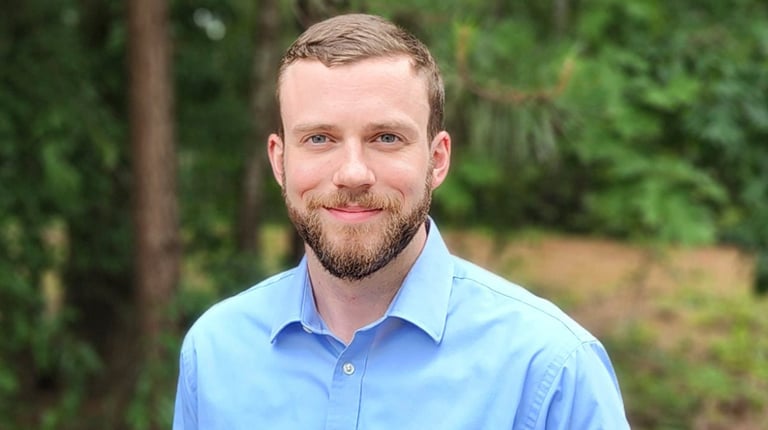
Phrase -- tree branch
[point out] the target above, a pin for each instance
(506, 94)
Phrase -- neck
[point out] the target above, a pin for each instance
(347, 306)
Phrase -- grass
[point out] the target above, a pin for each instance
(715, 376)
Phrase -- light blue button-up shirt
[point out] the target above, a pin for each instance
(458, 348)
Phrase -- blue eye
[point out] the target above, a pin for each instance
(388, 138)
(318, 139)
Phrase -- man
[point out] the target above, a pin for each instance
(379, 326)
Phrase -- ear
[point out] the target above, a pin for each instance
(440, 149)
(276, 152)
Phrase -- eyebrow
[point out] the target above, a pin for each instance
(392, 125)
(311, 126)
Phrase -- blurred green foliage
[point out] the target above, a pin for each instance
(61, 168)
(718, 372)
(659, 134)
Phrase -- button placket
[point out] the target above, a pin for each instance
(344, 396)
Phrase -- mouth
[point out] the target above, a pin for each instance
(353, 213)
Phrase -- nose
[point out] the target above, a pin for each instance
(353, 170)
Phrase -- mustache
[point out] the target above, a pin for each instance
(364, 199)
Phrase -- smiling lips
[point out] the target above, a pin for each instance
(353, 213)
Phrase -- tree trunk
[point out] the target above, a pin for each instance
(155, 211)
(265, 62)
(561, 12)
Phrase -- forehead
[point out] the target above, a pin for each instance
(372, 87)
(378, 69)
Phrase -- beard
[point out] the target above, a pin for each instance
(355, 251)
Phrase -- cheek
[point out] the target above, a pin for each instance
(301, 177)
(408, 180)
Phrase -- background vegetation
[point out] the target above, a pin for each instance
(645, 121)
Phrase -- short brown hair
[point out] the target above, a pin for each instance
(345, 39)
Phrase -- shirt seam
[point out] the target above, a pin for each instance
(545, 387)
(549, 314)
(188, 372)
(279, 278)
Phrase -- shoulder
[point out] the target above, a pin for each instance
(251, 308)
(514, 307)
(562, 366)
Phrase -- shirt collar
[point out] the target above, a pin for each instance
(291, 299)
(422, 299)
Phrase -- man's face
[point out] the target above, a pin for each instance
(355, 163)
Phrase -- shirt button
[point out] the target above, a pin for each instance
(348, 368)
